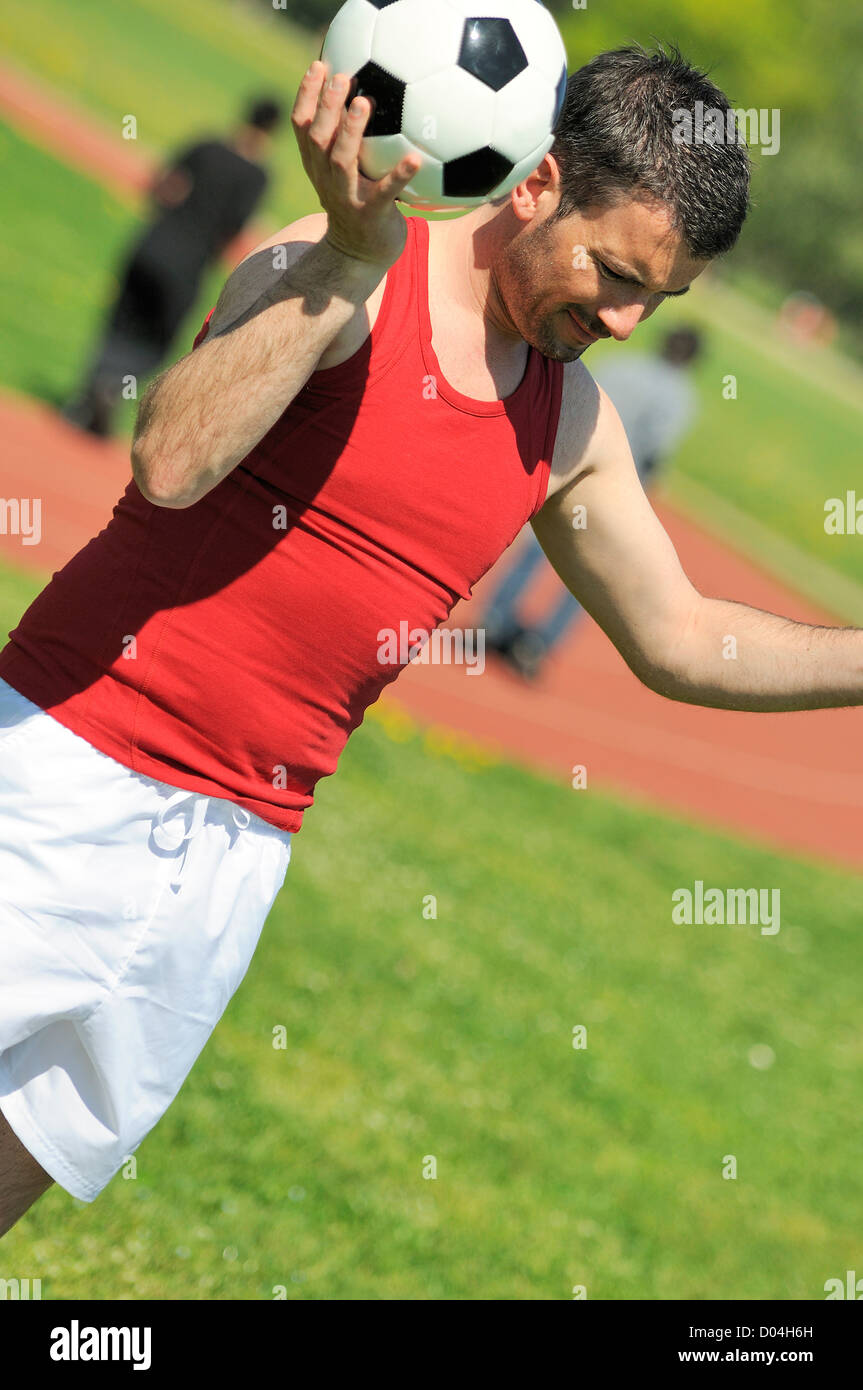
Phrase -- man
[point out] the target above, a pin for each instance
(656, 403)
(376, 408)
(204, 200)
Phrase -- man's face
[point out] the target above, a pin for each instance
(595, 274)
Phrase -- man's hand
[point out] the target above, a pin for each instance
(171, 188)
(362, 219)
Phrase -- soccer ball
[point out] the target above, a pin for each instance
(475, 87)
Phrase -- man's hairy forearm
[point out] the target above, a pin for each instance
(736, 657)
(206, 413)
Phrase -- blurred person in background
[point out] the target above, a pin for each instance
(202, 199)
(657, 403)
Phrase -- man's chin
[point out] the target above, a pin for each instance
(561, 352)
(543, 334)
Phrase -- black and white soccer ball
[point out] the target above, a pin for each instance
(475, 87)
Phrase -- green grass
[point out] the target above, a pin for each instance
(179, 66)
(409, 1037)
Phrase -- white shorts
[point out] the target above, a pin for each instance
(129, 913)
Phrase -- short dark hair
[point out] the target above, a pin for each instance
(616, 135)
(265, 113)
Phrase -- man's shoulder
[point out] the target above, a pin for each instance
(581, 393)
(583, 404)
(300, 234)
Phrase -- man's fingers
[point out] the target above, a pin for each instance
(346, 146)
(398, 178)
(329, 113)
(308, 94)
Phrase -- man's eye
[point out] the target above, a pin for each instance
(607, 271)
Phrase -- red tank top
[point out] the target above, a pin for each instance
(231, 647)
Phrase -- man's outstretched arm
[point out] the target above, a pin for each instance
(619, 562)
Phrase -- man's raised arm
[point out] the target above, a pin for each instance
(622, 567)
(274, 321)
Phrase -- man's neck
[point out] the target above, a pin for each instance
(468, 246)
(247, 142)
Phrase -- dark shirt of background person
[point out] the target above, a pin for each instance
(202, 201)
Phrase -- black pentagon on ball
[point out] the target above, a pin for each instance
(387, 94)
(382, 4)
(476, 174)
(490, 50)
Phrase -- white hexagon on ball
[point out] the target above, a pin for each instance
(348, 43)
(415, 38)
(540, 38)
(449, 114)
(523, 113)
(379, 154)
(425, 189)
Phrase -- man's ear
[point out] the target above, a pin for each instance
(545, 179)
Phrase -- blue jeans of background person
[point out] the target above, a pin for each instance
(501, 618)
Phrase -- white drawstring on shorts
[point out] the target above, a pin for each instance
(171, 832)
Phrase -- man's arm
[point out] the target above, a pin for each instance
(173, 183)
(275, 319)
(170, 188)
(267, 335)
(623, 568)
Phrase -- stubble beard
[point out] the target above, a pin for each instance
(524, 258)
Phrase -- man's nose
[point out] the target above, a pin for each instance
(621, 320)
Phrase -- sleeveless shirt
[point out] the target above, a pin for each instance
(231, 647)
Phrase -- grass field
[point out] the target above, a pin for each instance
(409, 1037)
